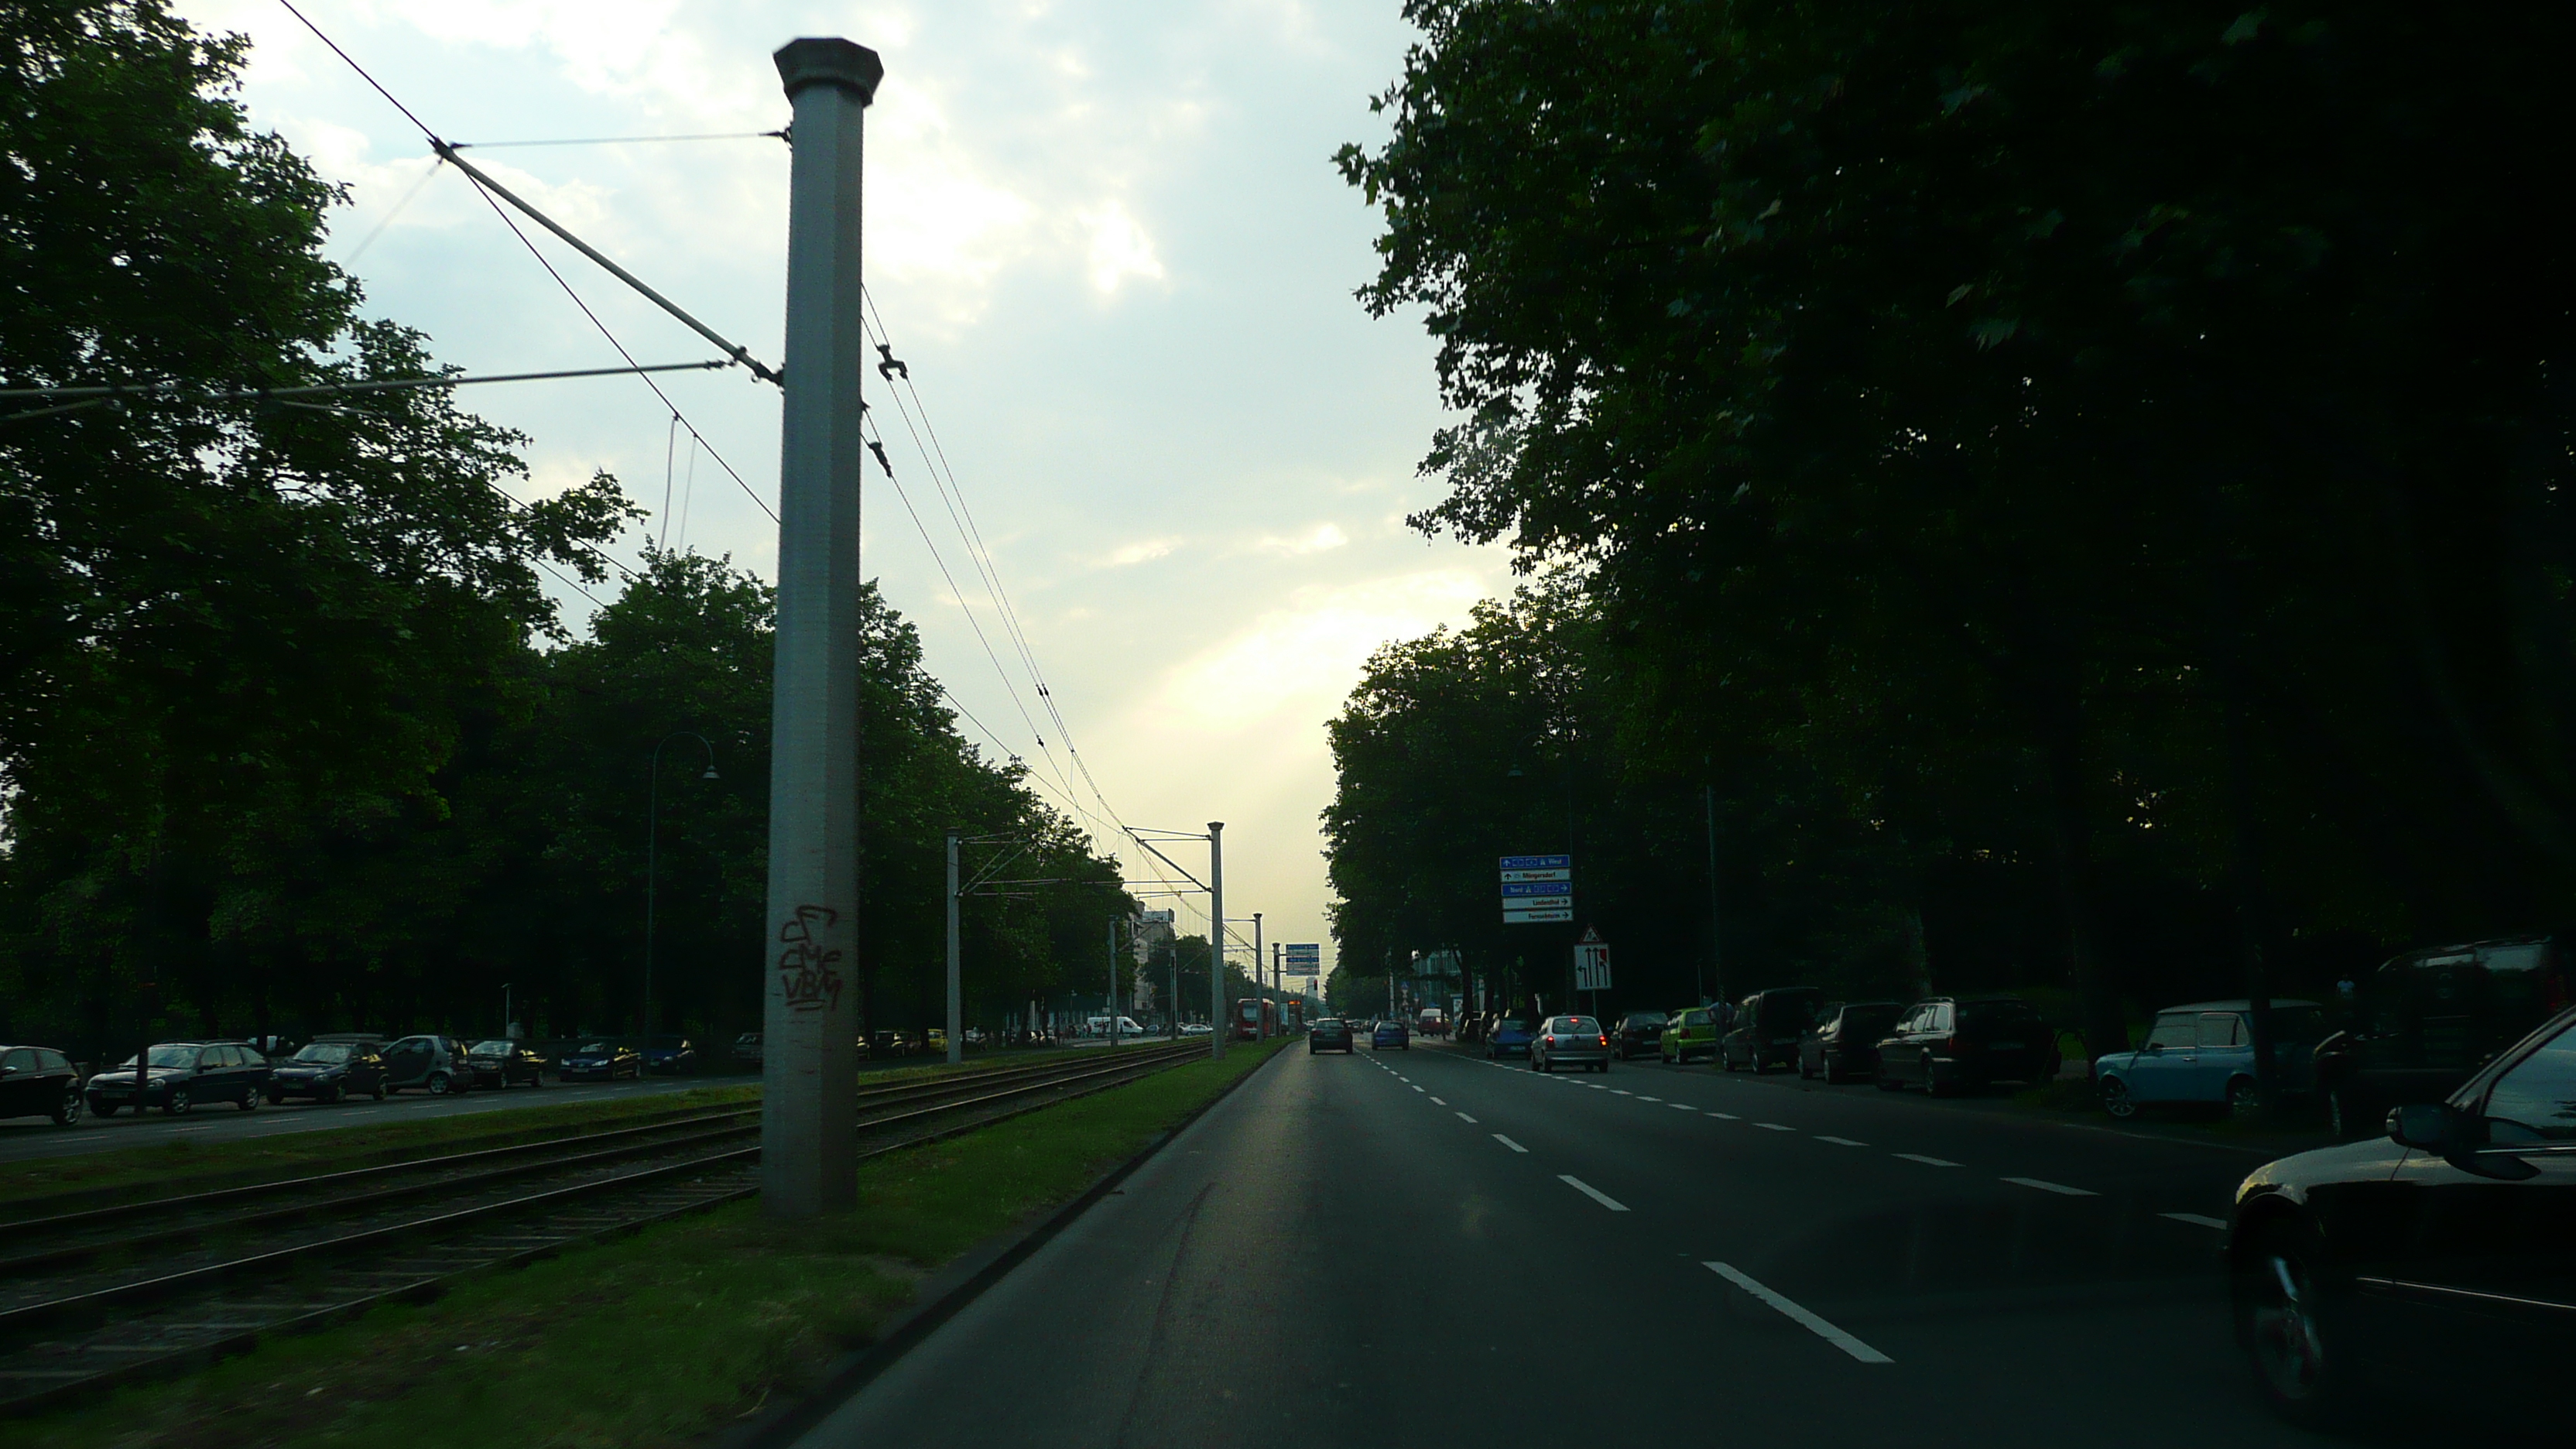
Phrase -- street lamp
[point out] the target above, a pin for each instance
(652, 855)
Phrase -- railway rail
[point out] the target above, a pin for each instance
(96, 1308)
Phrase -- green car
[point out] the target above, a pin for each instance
(1690, 1033)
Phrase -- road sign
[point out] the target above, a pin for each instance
(1513, 875)
(1537, 889)
(1592, 963)
(1538, 862)
(1513, 888)
(1517, 915)
(1305, 958)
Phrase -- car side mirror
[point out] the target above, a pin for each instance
(2426, 1126)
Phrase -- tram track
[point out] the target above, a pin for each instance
(63, 1334)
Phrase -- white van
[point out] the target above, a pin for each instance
(1099, 1026)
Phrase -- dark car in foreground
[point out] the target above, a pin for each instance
(1328, 1034)
(1391, 1035)
(1947, 1045)
(329, 1069)
(2440, 1257)
(178, 1075)
(2425, 1022)
(1570, 1041)
(1639, 1034)
(600, 1060)
(1768, 1027)
(39, 1082)
(506, 1061)
(674, 1056)
(1509, 1038)
(1845, 1044)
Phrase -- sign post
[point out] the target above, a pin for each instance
(1592, 966)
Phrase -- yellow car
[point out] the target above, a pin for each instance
(1691, 1032)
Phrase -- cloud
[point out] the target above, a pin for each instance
(1322, 538)
(1119, 247)
(1142, 550)
(1304, 658)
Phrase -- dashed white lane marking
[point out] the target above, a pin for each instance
(1775, 1126)
(1622, 1091)
(1596, 1086)
(1681, 1106)
(2196, 1220)
(1507, 1142)
(1642, 1097)
(1463, 1117)
(1436, 1102)
(1594, 1193)
(1809, 1321)
(1728, 1116)
(1926, 1161)
(2056, 1187)
(1839, 1141)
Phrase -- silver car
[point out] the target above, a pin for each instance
(1570, 1041)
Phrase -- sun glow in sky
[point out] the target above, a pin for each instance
(1109, 242)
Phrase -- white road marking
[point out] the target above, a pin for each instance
(1729, 1116)
(1418, 1089)
(1436, 1102)
(1926, 1161)
(1681, 1106)
(2196, 1220)
(1507, 1142)
(1775, 1126)
(1622, 1091)
(1839, 1141)
(2055, 1187)
(1594, 1193)
(1644, 1098)
(1463, 1117)
(1817, 1326)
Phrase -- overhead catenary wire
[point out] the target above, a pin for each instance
(780, 134)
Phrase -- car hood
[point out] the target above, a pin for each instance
(310, 1069)
(126, 1078)
(2370, 1160)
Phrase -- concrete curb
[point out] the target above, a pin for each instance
(959, 1282)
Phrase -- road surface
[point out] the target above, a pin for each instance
(1427, 1249)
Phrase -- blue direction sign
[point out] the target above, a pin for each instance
(1538, 862)
(1305, 958)
(1536, 888)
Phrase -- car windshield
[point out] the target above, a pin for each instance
(1579, 1026)
(1870, 1018)
(1995, 1015)
(170, 1056)
(494, 1048)
(326, 1052)
(592, 1049)
(1511, 1023)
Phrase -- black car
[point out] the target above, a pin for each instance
(2439, 1255)
(2424, 1022)
(1946, 1045)
(1640, 1034)
(438, 1065)
(180, 1074)
(600, 1060)
(1845, 1043)
(506, 1061)
(39, 1082)
(1328, 1034)
(1768, 1026)
(330, 1068)
(670, 1056)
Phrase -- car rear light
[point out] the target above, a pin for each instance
(1605, 1041)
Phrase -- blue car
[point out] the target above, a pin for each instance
(670, 1056)
(1391, 1034)
(1509, 1038)
(2202, 1055)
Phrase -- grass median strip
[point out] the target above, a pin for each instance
(660, 1337)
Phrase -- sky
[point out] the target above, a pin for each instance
(1109, 242)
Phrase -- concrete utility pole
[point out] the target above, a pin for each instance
(809, 1105)
(1113, 981)
(1257, 982)
(956, 997)
(1217, 1022)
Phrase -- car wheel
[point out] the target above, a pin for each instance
(333, 1095)
(1803, 1074)
(380, 1091)
(107, 1109)
(250, 1100)
(2291, 1326)
(67, 1112)
(2117, 1101)
(1932, 1083)
(177, 1103)
(438, 1084)
(2243, 1102)
(278, 1099)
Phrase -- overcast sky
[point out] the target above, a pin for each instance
(1107, 237)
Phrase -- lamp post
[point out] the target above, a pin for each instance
(652, 862)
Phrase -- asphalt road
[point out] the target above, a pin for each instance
(1422, 1248)
(25, 1138)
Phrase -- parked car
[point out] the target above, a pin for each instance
(2425, 1022)
(39, 1082)
(507, 1061)
(2202, 1055)
(1768, 1026)
(674, 1056)
(600, 1060)
(1639, 1033)
(1946, 1045)
(2437, 1256)
(329, 1069)
(1690, 1032)
(1391, 1035)
(180, 1075)
(438, 1065)
(1509, 1038)
(1197, 1028)
(1570, 1041)
(1328, 1034)
(746, 1047)
(1845, 1043)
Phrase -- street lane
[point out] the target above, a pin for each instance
(1332, 1253)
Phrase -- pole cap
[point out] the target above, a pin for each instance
(829, 60)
